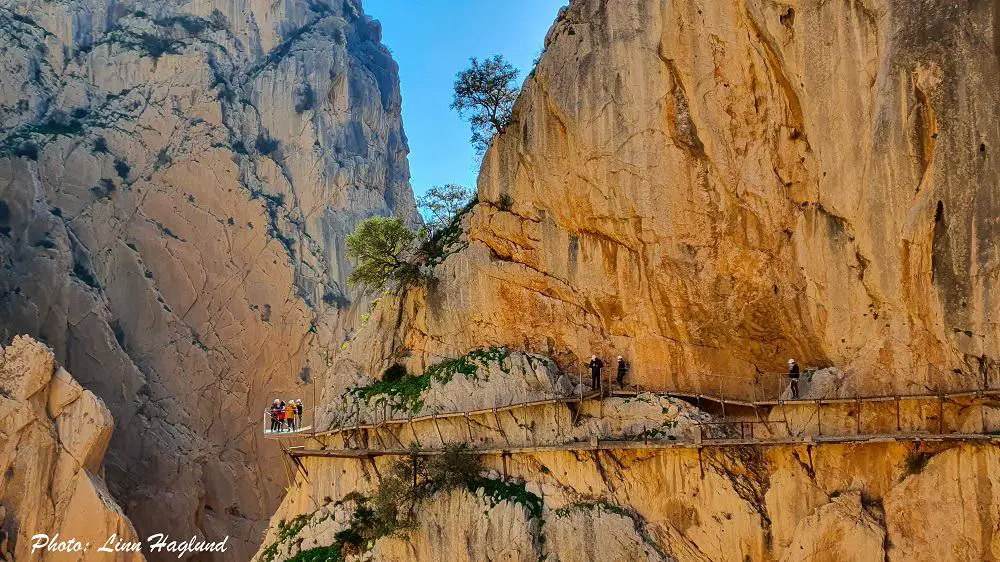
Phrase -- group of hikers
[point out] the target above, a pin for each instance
(596, 365)
(284, 416)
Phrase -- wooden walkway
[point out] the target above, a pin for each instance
(628, 393)
(705, 437)
(624, 445)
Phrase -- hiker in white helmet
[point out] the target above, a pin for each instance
(793, 377)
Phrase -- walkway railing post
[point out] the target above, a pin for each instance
(819, 418)
(941, 414)
(858, 413)
(982, 410)
(722, 398)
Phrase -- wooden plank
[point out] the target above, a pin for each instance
(651, 445)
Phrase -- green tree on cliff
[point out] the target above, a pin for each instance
(485, 94)
(442, 203)
(381, 247)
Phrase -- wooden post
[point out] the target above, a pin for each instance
(414, 456)
(859, 414)
(784, 416)
(819, 419)
(982, 410)
(438, 428)
(413, 430)
(899, 427)
(940, 414)
(722, 398)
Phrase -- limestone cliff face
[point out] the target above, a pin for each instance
(53, 436)
(176, 180)
(878, 501)
(710, 188)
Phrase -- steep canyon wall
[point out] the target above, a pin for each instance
(710, 188)
(176, 181)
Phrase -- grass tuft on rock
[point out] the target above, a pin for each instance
(402, 392)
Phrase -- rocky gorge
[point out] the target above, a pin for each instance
(176, 180)
(705, 188)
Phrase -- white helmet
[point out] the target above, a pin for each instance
(791, 361)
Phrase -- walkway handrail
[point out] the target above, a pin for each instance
(668, 394)
(650, 444)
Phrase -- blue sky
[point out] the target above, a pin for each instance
(432, 41)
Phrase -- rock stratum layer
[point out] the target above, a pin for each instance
(176, 181)
(710, 188)
(823, 503)
(53, 436)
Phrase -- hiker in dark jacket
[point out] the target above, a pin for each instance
(274, 416)
(793, 377)
(595, 372)
(622, 371)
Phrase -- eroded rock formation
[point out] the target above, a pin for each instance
(53, 436)
(712, 188)
(709, 188)
(176, 180)
(883, 501)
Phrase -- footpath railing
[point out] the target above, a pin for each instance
(746, 397)
(303, 425)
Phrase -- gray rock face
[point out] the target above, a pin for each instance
(176, 181)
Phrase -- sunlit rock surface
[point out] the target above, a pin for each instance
(709, 189)
(176, 182)
(53, 437)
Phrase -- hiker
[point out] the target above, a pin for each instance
(281, 415)
(298, 409)
(622, 371)
(793, 377)
(274, 416)
(290, 415)
(595, 372)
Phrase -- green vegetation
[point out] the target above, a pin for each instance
(122, 168)
(286, 531)
(402, 392)
(305, 98)
(381, 247)
(506, 202)
(330, 553)
(485, 93)
(660, 432)
(599, 505)
(497, 491)
(392, 506)
(441, 204)
(82, 272)
(265, 144)
(915, 462)
(147, 44)
(105, 189)
(446, 240)
(191, 24)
